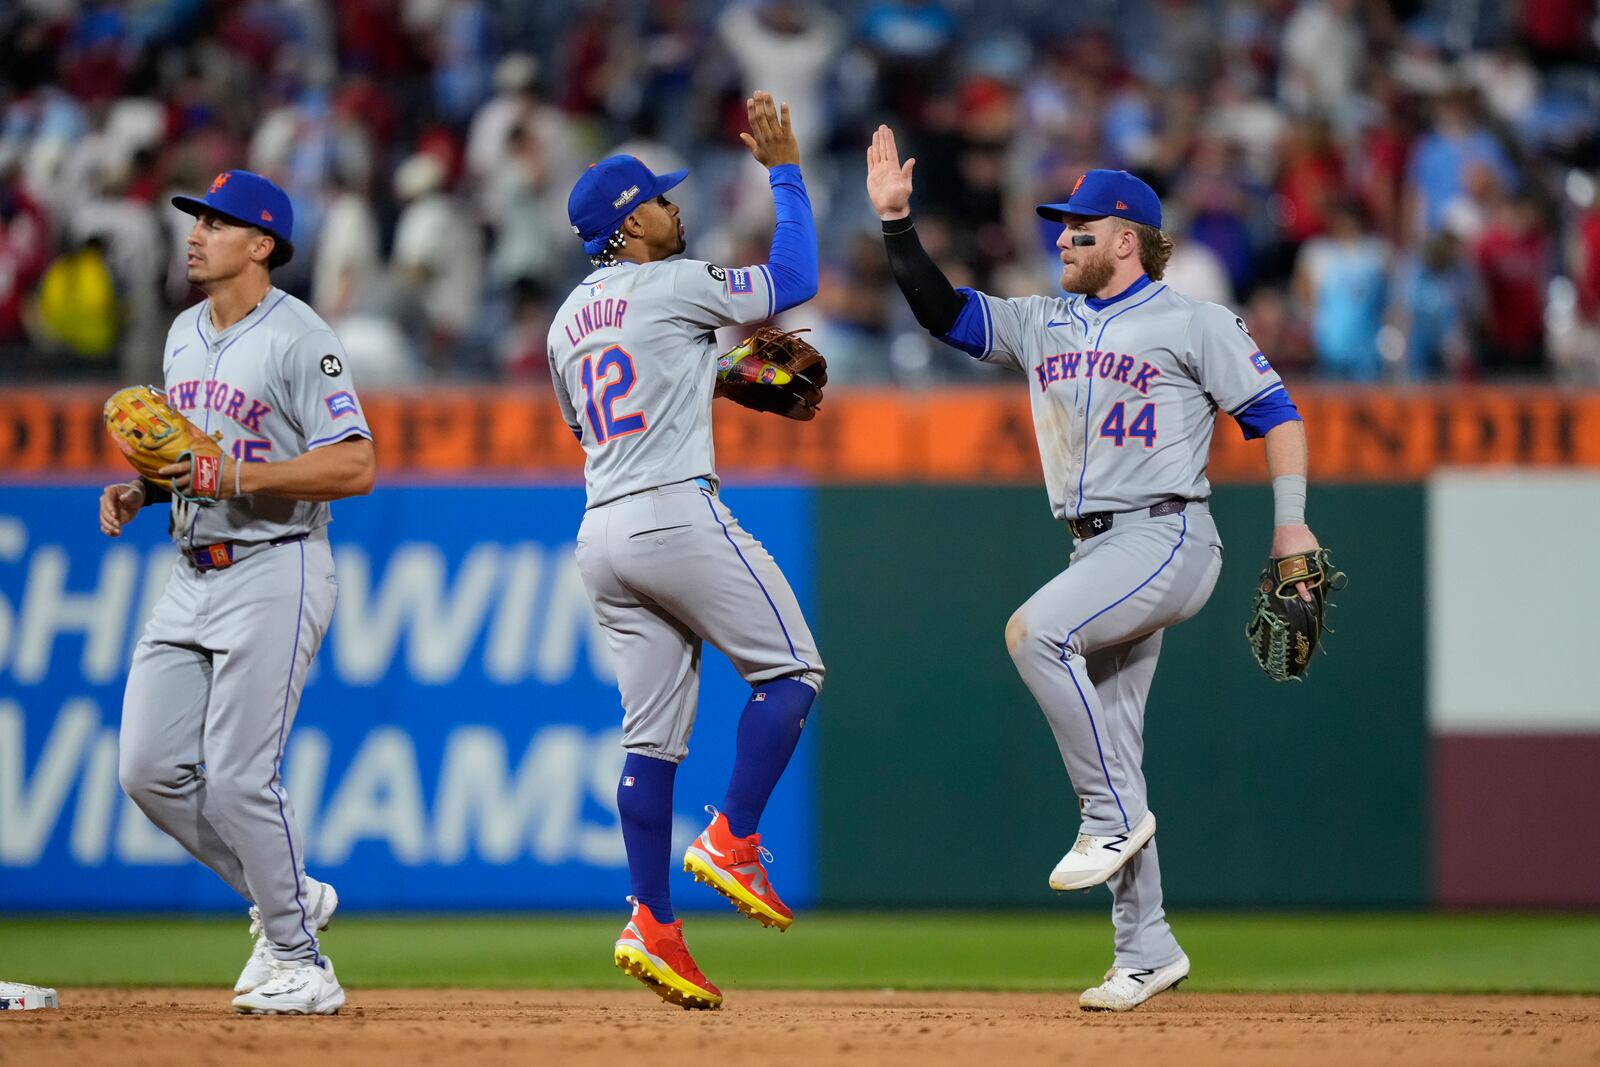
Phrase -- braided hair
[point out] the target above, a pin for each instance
(607, 256)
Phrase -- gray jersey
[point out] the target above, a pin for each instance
(1124, 397)
(633, 356)
(277, 385)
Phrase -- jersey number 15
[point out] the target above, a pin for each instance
(601, 392)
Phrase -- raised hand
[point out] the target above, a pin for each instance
(771, 137)
(888, 183)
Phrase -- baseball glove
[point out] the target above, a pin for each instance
(152, 434)
(1285, 630)
(774, 370)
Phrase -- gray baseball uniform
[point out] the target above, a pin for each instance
(217, 675)
(1125, 394)
(633, 359)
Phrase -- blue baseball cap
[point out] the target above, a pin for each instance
(248, 199)
(1108, 192)
(608, 192)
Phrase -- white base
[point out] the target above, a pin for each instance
(14, 996)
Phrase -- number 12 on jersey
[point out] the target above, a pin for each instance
(597, 380)
(1142, 427)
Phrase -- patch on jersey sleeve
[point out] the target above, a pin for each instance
(341, 403)
(740, 282)
(332, 366)
(1261, 364)
(716, 272)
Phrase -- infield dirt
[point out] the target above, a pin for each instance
(581, 1027)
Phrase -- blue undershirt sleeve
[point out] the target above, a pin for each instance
(1271, 410)
(971, 331)
(793, 259)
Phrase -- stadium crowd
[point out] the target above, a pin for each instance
(1401, 190)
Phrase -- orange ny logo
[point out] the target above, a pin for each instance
(219, 181)
(1074, 192)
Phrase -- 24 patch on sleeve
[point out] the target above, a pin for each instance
(341, 403)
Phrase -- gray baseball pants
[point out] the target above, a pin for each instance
(1086, 644)
(211, 697)
(667, 569)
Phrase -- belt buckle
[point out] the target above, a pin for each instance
(212, 557)
(1089, 525)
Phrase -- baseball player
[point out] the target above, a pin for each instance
(217, 676)
(633, 358)
(1126, 377)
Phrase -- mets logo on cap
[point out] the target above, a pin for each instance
(1099, 193)
(247, 199)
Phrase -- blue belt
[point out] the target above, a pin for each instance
(225, 554)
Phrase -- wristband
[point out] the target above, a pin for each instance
(1289, 500)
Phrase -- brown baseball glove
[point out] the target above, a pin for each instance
(154, 434)
(774, 370)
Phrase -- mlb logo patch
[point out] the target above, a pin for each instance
(627, 780)
(739, 281)
(341, 403)
(1261, 364)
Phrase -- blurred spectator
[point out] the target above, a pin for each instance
(77, 314)
(521, 353)
(1195, 270)
(786, 48)
(1279, 333)
(24, 252)
(1435, 299)
(1340, 279)
(525, 199)
(429, 146)
(1513, 255)
(908, 42)
(1311, 181)
(462, 60)
(1323, 50)
(852, 298)
(437, 259)
(1443, 155)
(123, 223)
(347, 257)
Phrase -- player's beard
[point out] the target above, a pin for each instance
(1093, 275)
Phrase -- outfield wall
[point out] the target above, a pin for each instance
(457, 742)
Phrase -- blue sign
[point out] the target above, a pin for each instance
(457, 745)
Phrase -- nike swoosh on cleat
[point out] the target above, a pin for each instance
(285, 992)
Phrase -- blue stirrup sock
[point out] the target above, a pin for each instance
(644, 805)
(769, 730)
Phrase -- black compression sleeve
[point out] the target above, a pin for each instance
(933, 301)
(155, 494)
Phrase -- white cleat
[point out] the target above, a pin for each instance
(296, 987)
(1125, 988)
(1094, 859)
(258, 968)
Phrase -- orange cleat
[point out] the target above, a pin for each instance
(654, 953)
(733, 867)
